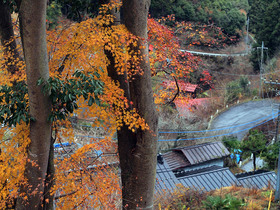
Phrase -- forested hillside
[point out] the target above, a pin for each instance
(264, 22)
(229, 15)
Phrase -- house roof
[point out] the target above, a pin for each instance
(184, 86)
(165, 178)
(205, 179)
(209, 178)
(259, 179)
(187, 156)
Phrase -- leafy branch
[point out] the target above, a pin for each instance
(63, 95)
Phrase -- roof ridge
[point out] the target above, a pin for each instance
(250, 174)
(197, 145)
(200, 171)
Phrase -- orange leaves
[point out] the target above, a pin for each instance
(9, 61)
(86, 179)
(166, 54)
(13, 145)
(167, 61)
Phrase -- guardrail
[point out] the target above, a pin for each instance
(214, 54)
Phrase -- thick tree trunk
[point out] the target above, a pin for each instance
(33, 26)
(7, 36)
(138, 150)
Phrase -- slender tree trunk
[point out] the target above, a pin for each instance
(138, 150)
(33, 26)
(7, 36)
(254, 161)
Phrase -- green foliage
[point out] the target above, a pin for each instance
(237, 88)
(244, 84)
(255, 57)
(14, 104)
(53, 13)
(223, 13)
(264, 22)
(233, 91)
(77, 10)
(219, 203)
(256, 143)
(231, 143)
(231, 21)
(12, 4)
(161, 8)
(270, 155)
(64, 94)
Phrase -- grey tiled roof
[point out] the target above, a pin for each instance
(209, 178)
(179, 174)
(205, 179)
(258, 180)
(165, 178)
(186, 156)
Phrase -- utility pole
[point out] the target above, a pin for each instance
(261, 68)
(247, 38)
(277, 192)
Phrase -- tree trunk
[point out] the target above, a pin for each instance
(7, 36)
(33, 26)
(49, 183)
(254, 161)
(138, 150)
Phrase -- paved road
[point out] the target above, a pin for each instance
(239, 119)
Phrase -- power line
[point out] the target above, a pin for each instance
(271, 116)
(218, 135)
(223, 128)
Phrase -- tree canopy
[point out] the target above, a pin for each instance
(223, 13)
(264, 22)
(80, 83)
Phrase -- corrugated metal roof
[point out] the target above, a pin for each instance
(259, 180)
(176, 159)
(183, 157)
(165, 178)
(209, 178)
(179, 174)
(205, 152)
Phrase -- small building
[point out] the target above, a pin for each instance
(187, 89)
(203, 179)
(200, 167)
(195, 157)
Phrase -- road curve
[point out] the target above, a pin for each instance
(239, 119)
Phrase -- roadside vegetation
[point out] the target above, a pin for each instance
(232, 198)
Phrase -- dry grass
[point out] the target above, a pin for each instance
(255, 199)
(185, 198)
(182, 198)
